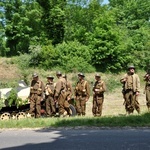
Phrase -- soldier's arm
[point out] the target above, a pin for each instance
(104, 87)
(137, 83)
(88, 90)
(71, 90)
(123, 79)
(58, 89)
(43, 89)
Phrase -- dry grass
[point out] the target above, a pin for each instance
(113, 104)
(8, 71)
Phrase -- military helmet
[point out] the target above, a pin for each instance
(50, 77)
(97, 75)
(58, 73)
(81, 74)
(131, 67)
(34, 75)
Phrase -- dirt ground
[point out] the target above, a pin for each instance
(113, 104)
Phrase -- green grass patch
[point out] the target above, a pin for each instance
(117, 121)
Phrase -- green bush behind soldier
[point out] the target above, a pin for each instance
(82, 94)
(36, 96)
(98, 95)
(60, 93)
(147, 89)
(49, 97)
(131, 85)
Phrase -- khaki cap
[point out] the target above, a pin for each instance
(50, 77)
(97, 75)
(34, 75)
(81, 74)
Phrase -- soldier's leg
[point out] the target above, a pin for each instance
(132, 102)
(61, 101)
(127, 98)
(94, 108)
(47, 103)
(38, 106)
(66, 105)
(148, 99)
(83, 106)
(78, 105)
(32, 107)
(52, 106)
(100, 105)
(136, 104)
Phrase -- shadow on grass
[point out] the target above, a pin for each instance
(117, 121)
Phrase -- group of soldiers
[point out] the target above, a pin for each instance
(62, 92)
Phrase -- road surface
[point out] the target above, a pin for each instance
(75, 139)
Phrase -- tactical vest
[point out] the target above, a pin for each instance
(36, 87)
(98, 87)
(81, 88)
(49, 89)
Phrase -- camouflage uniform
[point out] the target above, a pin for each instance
(49, 97)
(98, 95)
(131, 83)
(36, 95)
(60, 93)
(147, 89)
(82, 94)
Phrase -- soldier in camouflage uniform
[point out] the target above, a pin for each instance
(36, 96)
(98, 96)
(49, 97)
(147, 89)
(82, 94)
(131, 84)
(60, 93)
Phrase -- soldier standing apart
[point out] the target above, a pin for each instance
(147, 89)
(82, 94)
(98, 95)
(131, 83)
(36, 96)
(49, 97)
(60, 93)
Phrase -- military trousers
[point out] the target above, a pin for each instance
(81, 105)
(131, 101)
(147, 92)
(97, 105)
(35, 105)
(61, 102)
(50, 106)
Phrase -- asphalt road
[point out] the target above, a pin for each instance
(75, 139)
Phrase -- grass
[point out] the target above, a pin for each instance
(116, 121)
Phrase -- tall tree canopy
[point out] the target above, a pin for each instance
(113, 34)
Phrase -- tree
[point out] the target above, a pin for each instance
(53, 19)
(22, 24)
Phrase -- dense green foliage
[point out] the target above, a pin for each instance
(76, 35)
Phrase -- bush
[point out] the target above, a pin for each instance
(73, 56)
